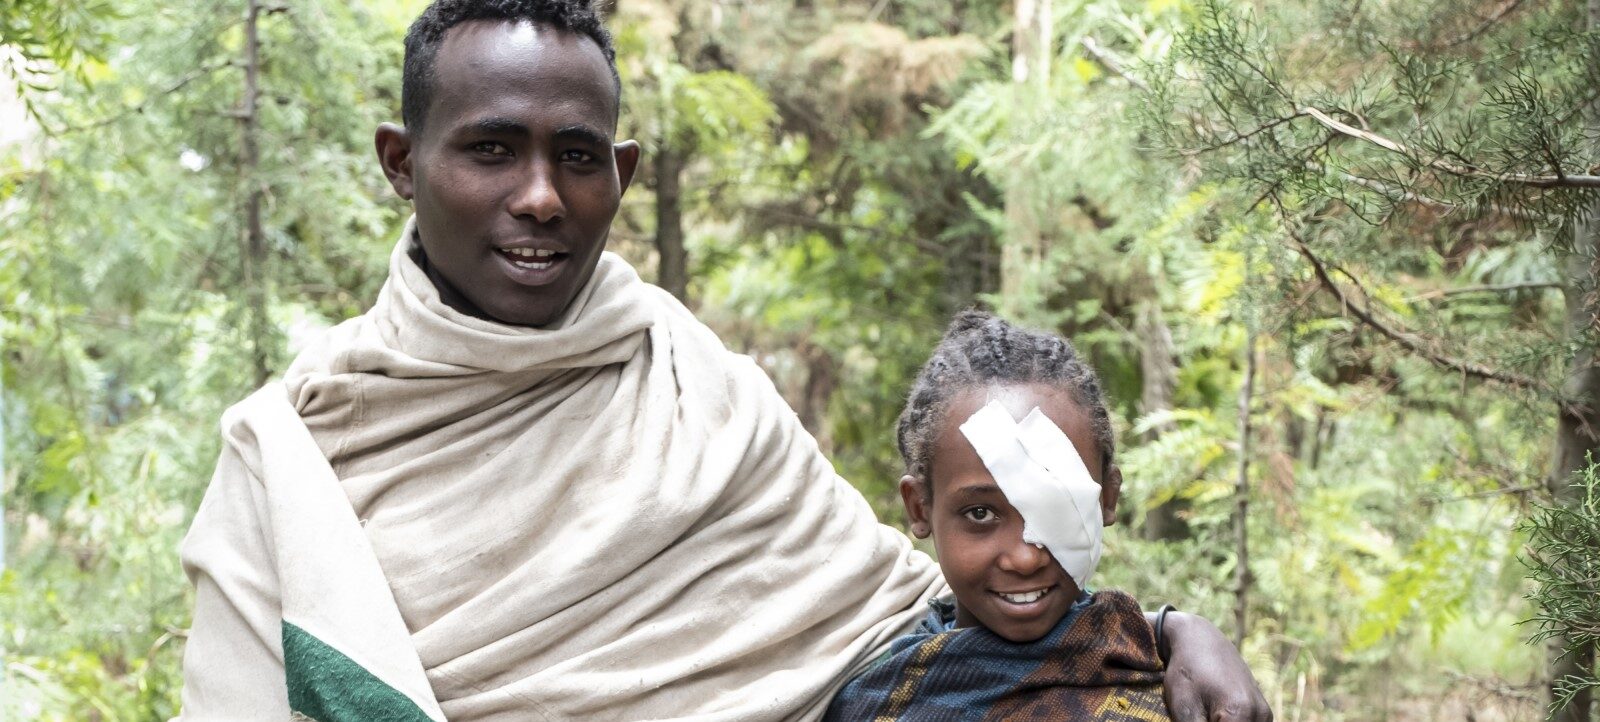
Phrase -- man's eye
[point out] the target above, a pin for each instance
(576, 156)
(980, 514)
(490, 148)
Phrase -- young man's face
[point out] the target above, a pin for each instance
(513, 174)
(997, 578)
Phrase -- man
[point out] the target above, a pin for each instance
(526, 485)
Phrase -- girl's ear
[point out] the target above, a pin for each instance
(1110, 492)
(916, 506)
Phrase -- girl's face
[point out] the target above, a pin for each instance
(1014, 589)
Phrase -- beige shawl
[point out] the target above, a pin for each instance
(613, 517)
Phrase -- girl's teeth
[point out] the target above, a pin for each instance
(533, 265)
(1024, 598)
(530, 253)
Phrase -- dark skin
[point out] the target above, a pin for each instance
(516, 162)
(514, 175)
(978, 536)
(977, 532)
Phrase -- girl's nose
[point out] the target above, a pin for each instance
(1024, 558)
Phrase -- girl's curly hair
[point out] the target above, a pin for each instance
(980, 349)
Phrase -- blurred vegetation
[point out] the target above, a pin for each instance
(1375, 213)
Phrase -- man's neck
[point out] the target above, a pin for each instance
(447, 292)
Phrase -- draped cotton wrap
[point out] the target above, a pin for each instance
(613, 517)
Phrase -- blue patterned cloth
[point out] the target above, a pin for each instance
(1098, 663)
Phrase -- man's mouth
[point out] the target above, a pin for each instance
(532, 266)
(531, 258)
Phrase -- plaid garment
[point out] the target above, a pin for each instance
(1099, 663)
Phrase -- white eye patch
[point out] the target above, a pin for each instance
(1043, 477)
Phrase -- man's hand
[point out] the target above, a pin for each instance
(1207, 680)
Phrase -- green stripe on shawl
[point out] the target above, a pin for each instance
(327, 686)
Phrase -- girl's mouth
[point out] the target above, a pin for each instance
(1023, 598)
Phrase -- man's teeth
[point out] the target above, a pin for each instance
(544, 258)
(1025, 597)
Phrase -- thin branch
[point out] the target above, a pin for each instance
(1241, 137)
(1524, 489)
(1486, 288)
(1499, 14)
(139, 107)
(1406, 339)
(780, 217)
(1560, 180)
(1579, 108)
(1398, 193)
(877, 10)
(1111, 62)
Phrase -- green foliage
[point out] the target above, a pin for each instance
(852, 172)
(47, 36)
(1563, 559)
(123, 326)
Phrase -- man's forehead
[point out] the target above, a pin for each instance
(483, 60)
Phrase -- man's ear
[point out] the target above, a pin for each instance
(916, 506)
(1110, 493)
(627, 155)
(393, 144)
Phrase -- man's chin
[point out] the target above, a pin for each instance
(533, 316)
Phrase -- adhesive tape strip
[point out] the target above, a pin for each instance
(1045, 479)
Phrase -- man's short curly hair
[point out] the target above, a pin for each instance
(428, 31)
(980, 350)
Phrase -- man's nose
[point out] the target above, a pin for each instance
(537, 195)
(1024, 558)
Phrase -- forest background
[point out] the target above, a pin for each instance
(1335, 260)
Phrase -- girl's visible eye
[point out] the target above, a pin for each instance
(490, 147)
(980, 514)
(576, 156)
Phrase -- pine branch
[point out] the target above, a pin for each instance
(1559, 180)
(139, 107)
(1506, 491)
(1495, 17)
(1407, 339)
(1241, 137)
(1397, 193)
(1486, 288)
(1111, 62)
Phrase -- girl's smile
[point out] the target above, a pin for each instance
(1015, 589)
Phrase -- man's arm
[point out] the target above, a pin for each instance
(1207, 680)
(233, 661)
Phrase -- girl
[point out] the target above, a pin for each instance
(1022, 638)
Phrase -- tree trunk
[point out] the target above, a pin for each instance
(1024, 247)
(672, 271)
(255, 243)
(1159, 379)
(1241, 499)
(1578, 425)
(1031, 42)
(822, 377)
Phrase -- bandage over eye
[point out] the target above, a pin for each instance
(1046, 481)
